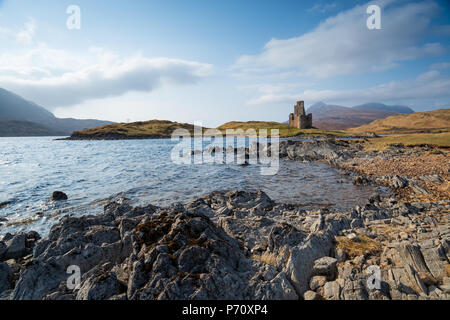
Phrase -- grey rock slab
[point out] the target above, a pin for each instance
(39, 280)
(6, 276)
(301, 261)
(16, 247)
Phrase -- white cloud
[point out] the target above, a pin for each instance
(55, 78)
(442, 65)
(343, 44)
(40, 61)
(430, 85)
(59, 78)
(322, 8)
(25, 36)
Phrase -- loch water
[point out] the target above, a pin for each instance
(92, 173)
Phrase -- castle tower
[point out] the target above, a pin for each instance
(299, 119)
(299, 108)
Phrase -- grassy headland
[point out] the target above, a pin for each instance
(285, 130)
(135, 130)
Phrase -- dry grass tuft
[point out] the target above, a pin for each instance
(266, 257)
(389, 231)
(363, 246)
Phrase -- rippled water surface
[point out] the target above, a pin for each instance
(93, 172)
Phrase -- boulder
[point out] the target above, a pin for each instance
(311, 295)
(100, 286)
(332, 290)
(317, 282)
(325, 266)
(16, 247)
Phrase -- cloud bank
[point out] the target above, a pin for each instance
(343, 45)
(54, 78)
(430, 84)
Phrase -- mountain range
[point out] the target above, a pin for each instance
(20, 117)
(335, 117)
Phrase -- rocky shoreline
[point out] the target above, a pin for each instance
(242, 245)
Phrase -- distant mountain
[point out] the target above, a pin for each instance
(335, 117)
(321, 108)
(14, 107)
(14, 128)
(20, 117)
(430, 121)
(69, 125)
(380, 106)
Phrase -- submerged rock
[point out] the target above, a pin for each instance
(58, 196)
(4, 204)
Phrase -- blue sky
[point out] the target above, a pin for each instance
(217, 61)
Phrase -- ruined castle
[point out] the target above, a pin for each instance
(299, 119)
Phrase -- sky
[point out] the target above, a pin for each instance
(217, 61)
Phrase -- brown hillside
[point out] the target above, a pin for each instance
(437, 120)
